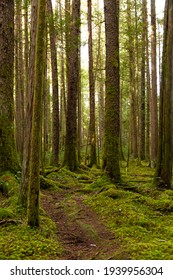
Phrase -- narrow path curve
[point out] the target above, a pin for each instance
(79, 230)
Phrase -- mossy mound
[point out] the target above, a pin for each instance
(46, 183)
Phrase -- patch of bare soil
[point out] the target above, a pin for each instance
(81, 233)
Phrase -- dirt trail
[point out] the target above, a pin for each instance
(79, 230)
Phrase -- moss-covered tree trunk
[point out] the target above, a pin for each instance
(19, 80)
(70, 157)
(8, 154)
(34, 179)
(164, 163)
(24, 183)
(112, 125)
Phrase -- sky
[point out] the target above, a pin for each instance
(160, 4)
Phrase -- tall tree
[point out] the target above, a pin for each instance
(133, 99)
(34, 179)
(70, 157)
(148, 78)
(164, 163)
(143, 72)
(154, 111)
(24, 183)
(99, 79)
(55, 90)
(19, 79)
(112, 125)
(8, 154)
(137, 81)
(92, 133)
(62, 78)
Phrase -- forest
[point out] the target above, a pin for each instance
(86, 109)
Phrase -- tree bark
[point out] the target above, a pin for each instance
(112, 122)
(143, 78)
(154, 110)
(92, 133)
(55, 89)
(8, 154)
(34, 179)
(70, 157)
(164, 164)
(24, 184)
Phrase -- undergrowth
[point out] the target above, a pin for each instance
(136, 212)
(17, 240)
(139, 215)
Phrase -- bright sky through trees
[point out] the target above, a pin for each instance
(160, 4)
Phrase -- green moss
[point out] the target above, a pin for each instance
(8, 183)
(6, 213)
(139, 215)
(47, 183)
(19, 242)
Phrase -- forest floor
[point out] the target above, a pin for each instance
(83, 215)
(79, 229)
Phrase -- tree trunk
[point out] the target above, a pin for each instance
(133, 101)
(154, 116)
(143, 78)
(92, 133)
(34, 179)
(19, 80)
(55, 97)
(8, 154)
(164, 164)
(148, 78)
(70, 157)
(23, 194)
(112, 122)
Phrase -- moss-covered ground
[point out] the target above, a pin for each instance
(140, 215)
(17, 240)
(137, 214)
